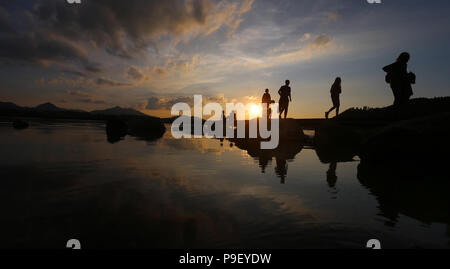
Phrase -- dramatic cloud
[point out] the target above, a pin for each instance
(111, 83)
(5, 25)
(302, 48)
(172, 66)
(134, 73)
(305, 37)
(246, 6)
(74, 73)
(183, 47)
(56, 33)
(155, 103)
(331, 17)
(320, 42)
(78, 94)
(126, 27)
(166, 103)
(44, 48)
(83, 97)
(79, 82)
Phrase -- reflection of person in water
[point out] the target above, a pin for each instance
(336, 90)
(281, 169)
(263, 162)
(331, 175)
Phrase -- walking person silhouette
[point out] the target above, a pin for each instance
(285, 98)
(335, 91)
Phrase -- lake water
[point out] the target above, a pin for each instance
(61, 180)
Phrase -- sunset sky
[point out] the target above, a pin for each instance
(150, 54)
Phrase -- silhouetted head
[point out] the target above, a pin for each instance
(403, 58)
(288, 82)
(267, 90)
(338, 81)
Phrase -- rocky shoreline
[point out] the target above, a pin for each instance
(418, 131)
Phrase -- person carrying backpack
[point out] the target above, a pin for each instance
(400, 80)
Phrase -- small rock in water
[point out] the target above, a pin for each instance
(20, 124)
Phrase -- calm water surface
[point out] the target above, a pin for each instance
(62, 180)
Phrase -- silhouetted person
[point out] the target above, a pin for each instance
(335, 91)
(224, 125)
(231, 119)
(267, 99)
(263, 162)
(281, 169)
(331, 175)
(400, 80)
(285, 98)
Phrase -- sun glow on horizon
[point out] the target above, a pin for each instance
(255, 111)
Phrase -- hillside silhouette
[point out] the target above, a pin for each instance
(119, 121)
(415, 108)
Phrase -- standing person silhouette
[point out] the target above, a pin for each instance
(285, 98)
(400, 80)
(335, 91)
(267, 99)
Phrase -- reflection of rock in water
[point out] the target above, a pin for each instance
(416, 190)
(287, 150)
(116, 130)
(147, 129)
(20, 124)
(330, 151)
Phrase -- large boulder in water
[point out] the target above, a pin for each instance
(423, 138)
(146, 128)
(290, 130)
(337, 142)
(116, 130)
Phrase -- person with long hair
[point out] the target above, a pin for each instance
(335, 91)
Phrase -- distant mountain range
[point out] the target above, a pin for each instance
(49, 107)
(9, 106)
(118, 111)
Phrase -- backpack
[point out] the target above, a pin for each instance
(388, 78)
(388, 69)
(412, 78)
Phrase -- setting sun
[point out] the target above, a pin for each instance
(255, 111)
(242, 128)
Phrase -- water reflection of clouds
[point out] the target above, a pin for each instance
(179, 193)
